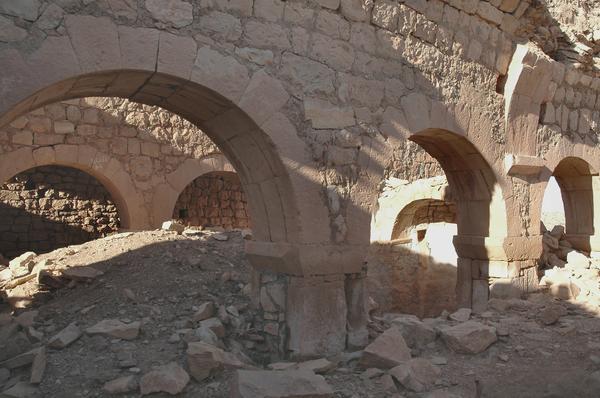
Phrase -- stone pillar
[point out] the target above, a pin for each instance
(306, 316)
(495, 267)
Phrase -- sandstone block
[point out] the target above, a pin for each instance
(386, 351)
(121, 385)
(415, 332)
(204, 359)
(176, 13)
(280, 384)
(65, 337)
(115, 328)
(417, 374)
(170, 378)
(325, 115)
(469, 337)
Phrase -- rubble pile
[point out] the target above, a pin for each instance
(568, 273)
(169, 312)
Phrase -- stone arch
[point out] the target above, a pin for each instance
(48, 207)
(108, 171)
(392, 203)
(164, 200)
(578, 181)
(428, 210)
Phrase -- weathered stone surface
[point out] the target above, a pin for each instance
(22, 265)
(173, 12)
(65, 337)
(215, 325)
(417, 374)
(82, 274)
(469, 337)
(205, 359)
(551, 314)
(325, 115)
(9, 32)
(415, 332)
(170, 378)
(386, 351)
(26, 9)
(205, 311)
(121, 385)
(115, 328)
(38, 367)
(281, 384)
(319, 366)
(461, 315)
(21, 390)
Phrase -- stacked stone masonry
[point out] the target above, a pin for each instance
(46, 208)
(150, 144)
(213, 200)
(316, 103)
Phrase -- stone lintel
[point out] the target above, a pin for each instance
(523, 165)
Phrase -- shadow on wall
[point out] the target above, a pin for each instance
(404, 280)
(49, 207)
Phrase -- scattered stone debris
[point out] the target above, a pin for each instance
(174, 226)
(170, 378)
(142, 312)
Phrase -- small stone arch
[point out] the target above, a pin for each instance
(108, 171)
(579, 185)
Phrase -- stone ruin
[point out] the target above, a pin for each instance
(318, 105)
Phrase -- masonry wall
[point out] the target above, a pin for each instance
(214, 199)
(50, 207)
(147, 143)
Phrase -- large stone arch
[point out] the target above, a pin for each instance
(108, 171)
(242, 114)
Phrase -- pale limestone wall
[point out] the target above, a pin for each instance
(148, 143)
(49, 207)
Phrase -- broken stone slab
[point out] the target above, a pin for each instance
(215, 325)
(417, 374)
(20, 390)
(115, 328)
(121, 385)
(551, 314)
(11, 284)
(205, 359)
(461, 315)
(21, 360)
(22, 265)
(319, 366)
(38, 367)
(81, 274)
(66, 336)
(170, 378)
(386, 351)
(415, 332)
(205, 311)
(469, 337)
(173, 226)
(279, 384)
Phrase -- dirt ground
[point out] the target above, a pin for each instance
(160, 278)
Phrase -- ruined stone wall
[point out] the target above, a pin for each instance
(215, 199)
(45, 208)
